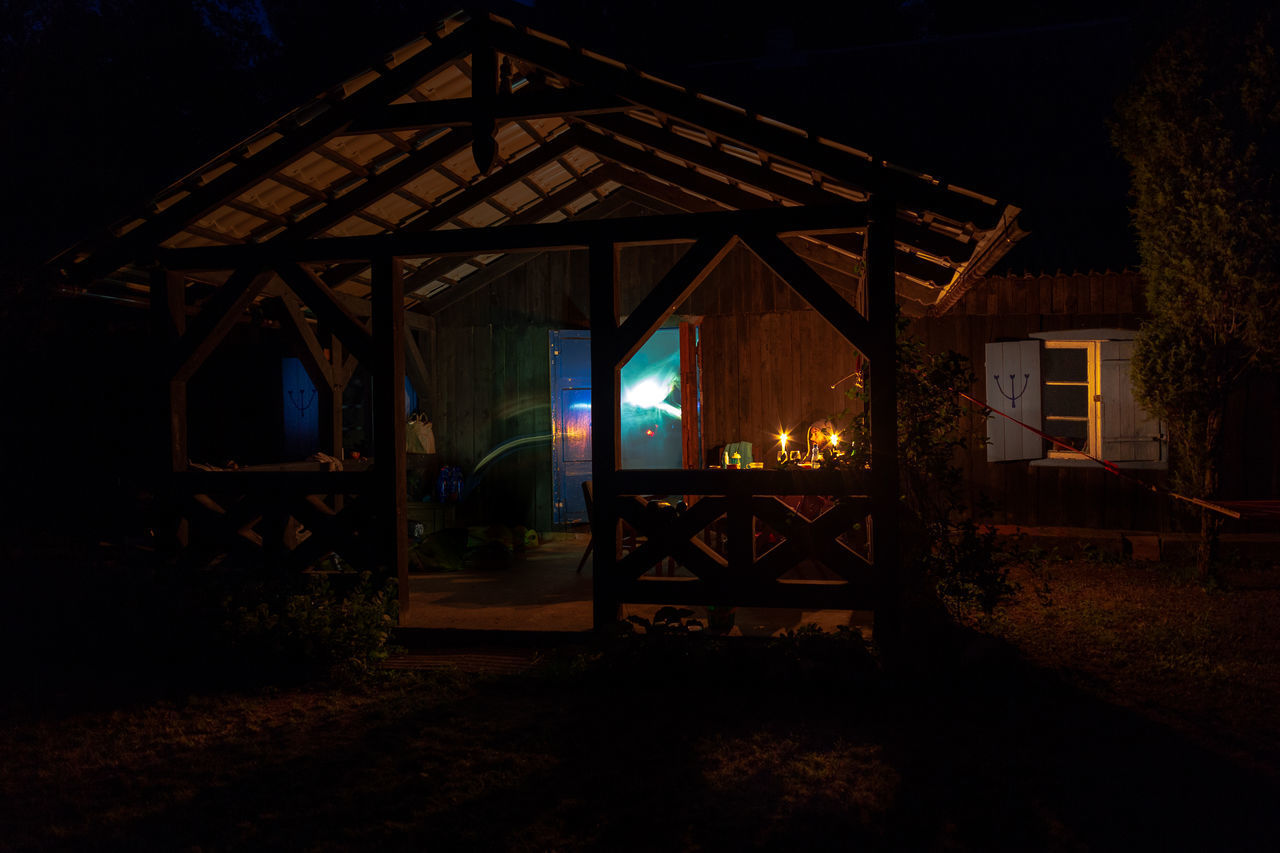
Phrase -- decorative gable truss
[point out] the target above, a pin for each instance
(486, 123)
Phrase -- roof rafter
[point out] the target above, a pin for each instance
(907, 188)
(466, 199)
(306, 137)
(954, 248)
(540, 210)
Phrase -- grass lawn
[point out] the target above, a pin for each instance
(1137, 712)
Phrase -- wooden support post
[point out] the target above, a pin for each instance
(331, 401)
(389, 422)
(606, 449)
(484, 90)
(169, 307)
(416, 366)
(884, 420)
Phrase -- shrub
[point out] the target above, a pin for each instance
(944, 550)
(309, 626)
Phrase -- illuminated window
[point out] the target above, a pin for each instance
(1076, 387)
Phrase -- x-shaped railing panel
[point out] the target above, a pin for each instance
(674, 536)
(667, 534)
(817, 539)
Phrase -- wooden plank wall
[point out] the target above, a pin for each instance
(1011, 308)
(767, 361)
(490, 368)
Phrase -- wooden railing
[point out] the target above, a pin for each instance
(296, 515)
(740, 505)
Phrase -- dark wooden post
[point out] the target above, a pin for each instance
(331, 401)
(389, 422)
(169, 311)
(606, 396)
(884, 418)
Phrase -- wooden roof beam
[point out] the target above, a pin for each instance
(681, 280)
(907, 231)
(330, 123)
(329, 309)
(379, 186)
(536, 213)
(467, 198)
(217, 317)
(482, 278)
(805, 281)
(458, 112)
(667, 194)
(511, 238)
(911, 191)
(684, 176)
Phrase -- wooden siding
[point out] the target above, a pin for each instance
(1012, 308)
(767, 361)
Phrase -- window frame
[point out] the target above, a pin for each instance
(1093, 381)
(1056, 457)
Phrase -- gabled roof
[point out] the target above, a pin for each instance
(488, 122)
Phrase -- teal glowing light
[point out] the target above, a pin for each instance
(650, 396)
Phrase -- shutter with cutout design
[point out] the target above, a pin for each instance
(1013, 387)
(1129, 434)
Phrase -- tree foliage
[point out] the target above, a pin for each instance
(943, 548)
(1201, 133)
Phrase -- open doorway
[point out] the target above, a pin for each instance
(660, 417)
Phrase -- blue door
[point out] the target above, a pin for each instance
(570, 423)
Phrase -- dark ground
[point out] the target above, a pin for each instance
(1137, 712)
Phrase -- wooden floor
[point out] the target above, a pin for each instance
(543, 591)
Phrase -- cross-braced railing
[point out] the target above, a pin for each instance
(744, 534)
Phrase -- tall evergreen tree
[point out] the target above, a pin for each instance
(1201, 133)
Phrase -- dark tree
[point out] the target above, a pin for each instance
(1201, 134)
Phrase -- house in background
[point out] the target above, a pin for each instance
(1053, 352)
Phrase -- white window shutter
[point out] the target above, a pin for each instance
(1013, 387)
(1129, 434)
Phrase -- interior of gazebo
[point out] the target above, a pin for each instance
(501, 298)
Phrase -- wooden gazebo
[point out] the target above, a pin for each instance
(359, 217)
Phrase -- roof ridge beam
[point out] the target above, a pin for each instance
(459, 112)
